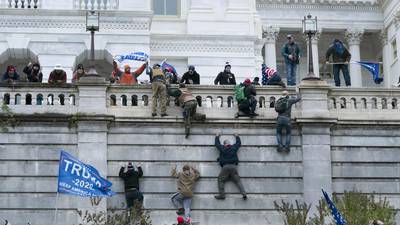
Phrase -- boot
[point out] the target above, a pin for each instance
(154, 114)
(220, 197)
(180, 212)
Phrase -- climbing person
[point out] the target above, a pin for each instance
(228, 160)
(186, 180)
(283, 107)
(131, 183)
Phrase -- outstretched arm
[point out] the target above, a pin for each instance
(218, 143)
(238, 142)
(139, 70)
(121, 172)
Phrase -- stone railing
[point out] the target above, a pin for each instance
(215, 101)
(20, 4)
(40, 98)
(96, 4)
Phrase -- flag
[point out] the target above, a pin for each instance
(78, 178)
(373, 68)
(133, 56)
(165, 65)
(335, 213)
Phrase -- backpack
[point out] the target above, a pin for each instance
(282, 105)
(239, 92)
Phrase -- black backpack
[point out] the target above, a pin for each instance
(282, 104)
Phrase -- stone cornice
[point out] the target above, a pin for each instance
(280, 4)
(354, 36)
(270, 34)
(202, 46)
(72, 20)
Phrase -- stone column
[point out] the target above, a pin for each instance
(316, 140)
(258, 56)
(270, 36)
(354, 37)
(388, 79)
(314, 43)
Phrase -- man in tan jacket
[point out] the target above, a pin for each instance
(183, 198)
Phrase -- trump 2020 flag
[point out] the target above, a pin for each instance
(373, 68)
(78, 178)
(335, 213)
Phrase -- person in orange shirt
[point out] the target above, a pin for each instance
(126, 77)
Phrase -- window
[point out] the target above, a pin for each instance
(394, 49)
(165, 7)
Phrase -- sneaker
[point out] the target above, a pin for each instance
(287, 149)
(219, 197)
(188, 220)
(154, 114)
(253, 114)
(180, 212)
(280, 149)
(164, 114)
(244, 196)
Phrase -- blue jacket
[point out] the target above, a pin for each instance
(228, 154)
(291, 49)
(7, 77)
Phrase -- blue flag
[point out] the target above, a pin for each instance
(335, 213)
(77, 178)
(165, 65)
(373, 68)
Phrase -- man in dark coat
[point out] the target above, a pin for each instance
(341, 58)
(248, 105)
(131, 183)
(225, 77)
(228, 160)
(191, 76)
(33, 72)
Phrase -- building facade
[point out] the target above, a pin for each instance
(203, 33)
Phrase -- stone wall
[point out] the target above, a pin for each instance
(343, 138)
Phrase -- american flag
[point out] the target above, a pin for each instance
(335, 212)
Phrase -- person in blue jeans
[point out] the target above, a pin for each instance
(291, 52)
(283, 122)
(341, 58)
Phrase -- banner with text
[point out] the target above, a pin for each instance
(78, 178)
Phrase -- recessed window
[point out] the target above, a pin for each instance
(165, 7)
(394, 49)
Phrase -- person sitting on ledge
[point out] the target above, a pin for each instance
(11, 75)
(33, 72)
(225, 77)
(79, 73)
(58, 75)
(126, 77)
(271, 77)
(283, 107)
(228, 160)
(189, 105)
(245, 95)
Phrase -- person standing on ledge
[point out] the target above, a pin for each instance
(126, 77)
(191, 76)
(283, 107)
(291, 53)
(131, 183)
(225, 77)
(341, 58)
(228, 160)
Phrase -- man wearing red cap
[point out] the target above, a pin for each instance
(248, 105)
(10, 75)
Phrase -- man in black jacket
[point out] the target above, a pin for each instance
(228, 160)
(191, 76)
(131, 182)
(225, 77)
(341, 58)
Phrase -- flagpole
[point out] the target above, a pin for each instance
(344, 63)
(55, 213)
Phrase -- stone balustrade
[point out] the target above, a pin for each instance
(21, 4)
(96, 4)
(215, 101)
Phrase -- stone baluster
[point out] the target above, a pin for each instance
(354, 37)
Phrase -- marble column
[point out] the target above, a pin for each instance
(354, 37)
(387, 76)
(270, 36)
(315, 54)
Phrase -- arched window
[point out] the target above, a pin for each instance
(145, 100)
(6, 99)
(61, 98)
(220, 101)
(272, 102)
(198, 99)
(50, 99)
(230, 102)
(39, 99)
(209, 102)
(261, 102)
(113, 100)
(17, 99)
(134, 100)
(72, 99)
(124, 101)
